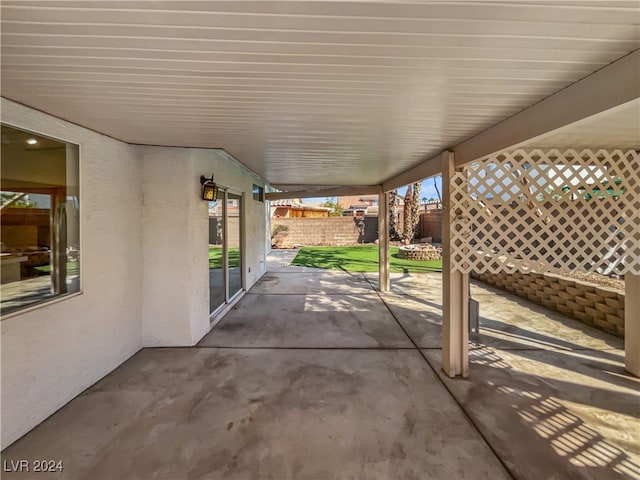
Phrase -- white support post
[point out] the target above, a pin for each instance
(632, 324)
(455, 289)
(383, 241)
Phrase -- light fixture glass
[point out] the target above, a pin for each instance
(32, 141)
(209, 189)
(210, 192)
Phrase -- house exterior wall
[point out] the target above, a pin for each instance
(53, 352)
(144, 261)
(236, 176)
(176, 239)
(175, 282)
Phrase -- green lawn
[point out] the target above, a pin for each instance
(215, 257)
(73, 268)
(360, 259)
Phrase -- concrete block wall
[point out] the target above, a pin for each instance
(598, 306)
(431, 225)
(332, 231)
(232, 233)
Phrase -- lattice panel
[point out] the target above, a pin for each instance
(535, 211)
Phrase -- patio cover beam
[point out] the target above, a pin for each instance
(426, 169)
(383, 242)
(610, 88)
(325, 192)
(632, 324)
(455, 289)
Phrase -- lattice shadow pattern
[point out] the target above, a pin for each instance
(536, 211)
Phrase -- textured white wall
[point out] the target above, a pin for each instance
(144, 261)
(232, 174)
(176, 294)
(51, 354)
(176, 237)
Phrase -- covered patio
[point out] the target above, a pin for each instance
(174, 126)
(317, 374)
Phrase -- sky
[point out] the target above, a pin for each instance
(428, 191)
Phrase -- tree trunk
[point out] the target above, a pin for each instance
(407, 234)
(415, 210)
(394, 234)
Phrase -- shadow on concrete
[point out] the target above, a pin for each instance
(514, 333)
(533, 412)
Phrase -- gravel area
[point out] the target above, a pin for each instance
(597, 279)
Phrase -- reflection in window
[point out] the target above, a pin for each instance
(258, 193)
(40, 233)
(216, 254)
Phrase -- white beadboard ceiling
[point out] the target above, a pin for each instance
(305, 92)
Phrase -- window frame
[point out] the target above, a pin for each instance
(259, 193)
(61, 297)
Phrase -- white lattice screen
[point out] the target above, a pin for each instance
(535, 211)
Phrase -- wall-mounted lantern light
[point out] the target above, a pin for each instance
(209, 189)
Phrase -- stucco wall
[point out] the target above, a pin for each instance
(175, 290)
(52, 353)
(144, 261)
(176, 236)
(234, 175)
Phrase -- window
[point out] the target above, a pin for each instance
(40, 232)
(258, 193)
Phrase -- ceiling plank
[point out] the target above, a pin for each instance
(426, 169)
(610, 87)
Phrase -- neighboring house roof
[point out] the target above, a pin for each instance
(291, 203)
(287, 202)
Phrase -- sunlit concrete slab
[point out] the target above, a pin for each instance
(330, 376)
(416, 302)
(506, 321)
(510, 322)
(413, 284)
(554, 413)
(309, 321)
(325, 282)
(419, 316)
(258, 414)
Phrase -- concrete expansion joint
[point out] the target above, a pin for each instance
(446, 387)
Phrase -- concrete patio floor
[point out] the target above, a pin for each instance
(313, 375)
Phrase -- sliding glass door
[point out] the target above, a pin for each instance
(234, 217)
(217, 289)
(225, 249)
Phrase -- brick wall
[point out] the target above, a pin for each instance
(332, 231)
(233, 231)
(600, 307)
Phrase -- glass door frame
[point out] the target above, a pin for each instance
(223, 196)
